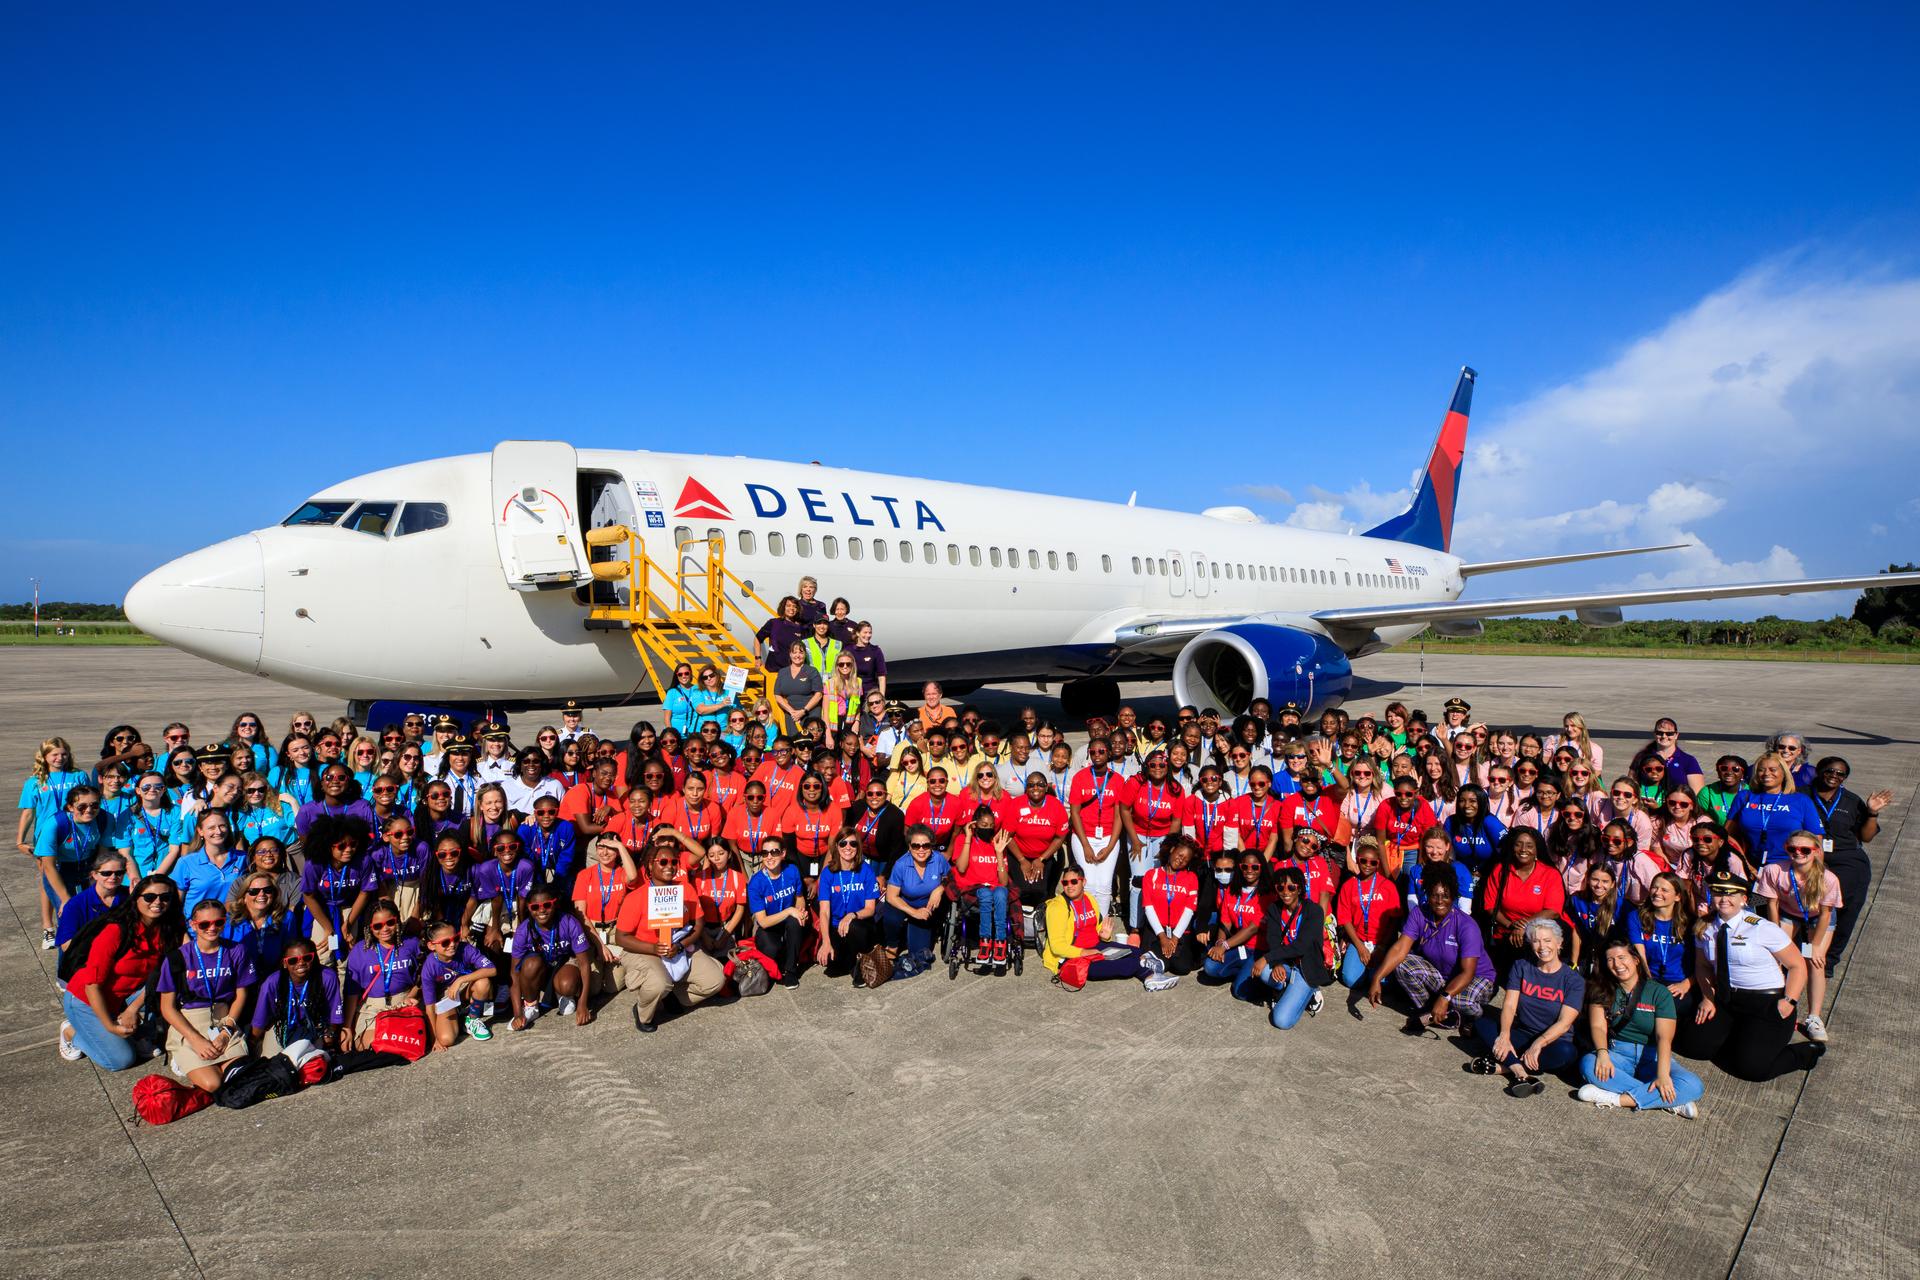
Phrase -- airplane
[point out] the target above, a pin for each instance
(965, 584)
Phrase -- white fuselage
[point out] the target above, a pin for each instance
(945, 572)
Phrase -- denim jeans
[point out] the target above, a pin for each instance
(1634, 1067)
(1552, 1058)
(993, 912)
(904, 932)
(1295, 991)
(103, 1048)
(1353, 966)
(1232, 970)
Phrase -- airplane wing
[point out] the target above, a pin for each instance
(1535, 562)
(1393, 615)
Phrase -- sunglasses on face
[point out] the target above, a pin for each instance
(204, 925)
(109, 873)
(919, 844)
(156, 897)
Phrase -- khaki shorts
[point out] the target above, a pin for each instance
(182, 1060)
(406, 896)
(369, 1009)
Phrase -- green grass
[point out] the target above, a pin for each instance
(87, 633)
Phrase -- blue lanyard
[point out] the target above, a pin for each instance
(1793, 882)
(545, 845)
(1364, 894)
(210, 976)
(606, 884)
(389, 961)
(297, 1000)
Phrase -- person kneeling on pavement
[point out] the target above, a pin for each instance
(1295, 962)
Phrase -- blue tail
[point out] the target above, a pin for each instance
(1429, 521)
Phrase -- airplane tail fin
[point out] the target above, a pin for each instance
(1429, 521)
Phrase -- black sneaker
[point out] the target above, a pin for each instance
(641, 1025)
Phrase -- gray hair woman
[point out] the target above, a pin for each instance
(1534, 1030)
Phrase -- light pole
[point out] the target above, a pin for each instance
(36, 607)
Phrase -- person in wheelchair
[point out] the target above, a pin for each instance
(980, 855)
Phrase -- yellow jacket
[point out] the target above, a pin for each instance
(1056, 940)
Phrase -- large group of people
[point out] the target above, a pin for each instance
(269, 887)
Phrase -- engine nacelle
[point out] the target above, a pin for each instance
(1230, 666)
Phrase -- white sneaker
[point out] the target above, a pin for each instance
(1316, 1004)
(566, 1007)
(530, 1010)
(1815, 1029)
(1163, 982)
(1152, 963)
(64, 1041)
(46, 940)
(1597, 1096)
(1691, 1111)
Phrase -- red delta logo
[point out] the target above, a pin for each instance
(698, 502)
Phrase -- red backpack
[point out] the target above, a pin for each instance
(159, 1100)
(401, 1032)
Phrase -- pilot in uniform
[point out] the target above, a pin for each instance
(1747, 968)
(495, 768)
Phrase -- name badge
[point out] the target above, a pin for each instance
(1099, 834)
(1806, 949)
(1826, 844)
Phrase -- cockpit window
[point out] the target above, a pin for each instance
(319, 511)
(372, 517)
(418, 517)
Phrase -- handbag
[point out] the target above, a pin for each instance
(401, 1032)
(159, 1100)
(1073, 972)
(875, 966)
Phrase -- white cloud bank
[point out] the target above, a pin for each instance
(1766, 413)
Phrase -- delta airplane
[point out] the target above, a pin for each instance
(464, 582)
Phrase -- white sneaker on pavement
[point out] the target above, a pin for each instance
(1163, 982)
(1597, 1096)
(1815, 1028)
(64, 1041)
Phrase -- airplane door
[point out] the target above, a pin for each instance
(534, 523)
(1176, 575)
(1202, 580)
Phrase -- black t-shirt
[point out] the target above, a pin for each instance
(1843, 822)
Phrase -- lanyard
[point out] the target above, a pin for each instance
(1257, 816)
(606, 884)
(868, 822)
(545, 845)
(1793, 882)
(1100, 781)
(154, 830)
(934, 815)
(1291, 927)
(297, 1001)
(720, 889)
(545, 942)
(1826, 811)
(1243, 904)
(1209, 814)
(1364, 894)
(753, 829)
(389, 961)
(1361, 815)
(1167, 890)
(209, 975)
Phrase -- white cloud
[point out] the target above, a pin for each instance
(1324, 516)
(1266, 492)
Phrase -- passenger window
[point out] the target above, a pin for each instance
(1033, 558)
(994, 554)
(418, 517)
(776, 544)
(803, 544)
(1150, 566)
(973, 554)
(1136, 564)
(1073, 563)
(1163, 566)
(1013, 557)
(829, 546)
(856, 549)
(682, 535)
(746, 542)
(906, 552)
(879, 548)
(930, 553)
(1106, 563)
(1053, 559)
(953, 553)
(372, 517)
(319, 511)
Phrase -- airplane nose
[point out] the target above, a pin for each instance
(209, 603)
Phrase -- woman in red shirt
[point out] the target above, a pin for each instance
(634, 823)
(1205, 814)
(1155, 802)
(750, 822)
(1170, 903)
(1257, 817)
(1520, 887)
(105, 1000)
(1366, 911)
(721, 887)
(724, 782)
(1310, 808)
(980, 856)
(936, 809)
(1243, 914)
(808, 825)
(692, 817)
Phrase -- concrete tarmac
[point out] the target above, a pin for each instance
(992, 1127)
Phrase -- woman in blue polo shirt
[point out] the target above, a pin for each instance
(106, 889)
(915, 888)
(64, 847)
(42, 798)
(145, 832)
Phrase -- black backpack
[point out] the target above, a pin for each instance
(257, 1079)
(75, 953)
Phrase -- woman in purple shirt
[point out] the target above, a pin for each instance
(1440, 961)
(382, 971)
(337, 799)
(550, 958)
(298, 1001)
(337, 883)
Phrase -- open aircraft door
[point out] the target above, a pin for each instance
(534, 523)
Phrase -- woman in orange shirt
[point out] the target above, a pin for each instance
(721, 886)
(808, 826)
(598, 890)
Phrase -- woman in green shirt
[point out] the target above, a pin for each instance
(1631, 1020)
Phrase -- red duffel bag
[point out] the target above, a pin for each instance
(402, 1032)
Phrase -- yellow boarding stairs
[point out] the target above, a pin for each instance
(695, 628)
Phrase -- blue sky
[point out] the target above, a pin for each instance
(1220, 254)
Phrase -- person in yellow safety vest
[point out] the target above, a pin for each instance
(822, 649)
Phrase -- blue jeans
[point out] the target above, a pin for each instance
(993, 912)
(1234, 970)
(900, 928)
(1352, 967)
(1295, 992)
(1552, 1058)
(1634, 1066)
(103, 1048)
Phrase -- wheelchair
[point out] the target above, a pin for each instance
(958, 940)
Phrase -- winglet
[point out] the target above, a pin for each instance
(1429, 521)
